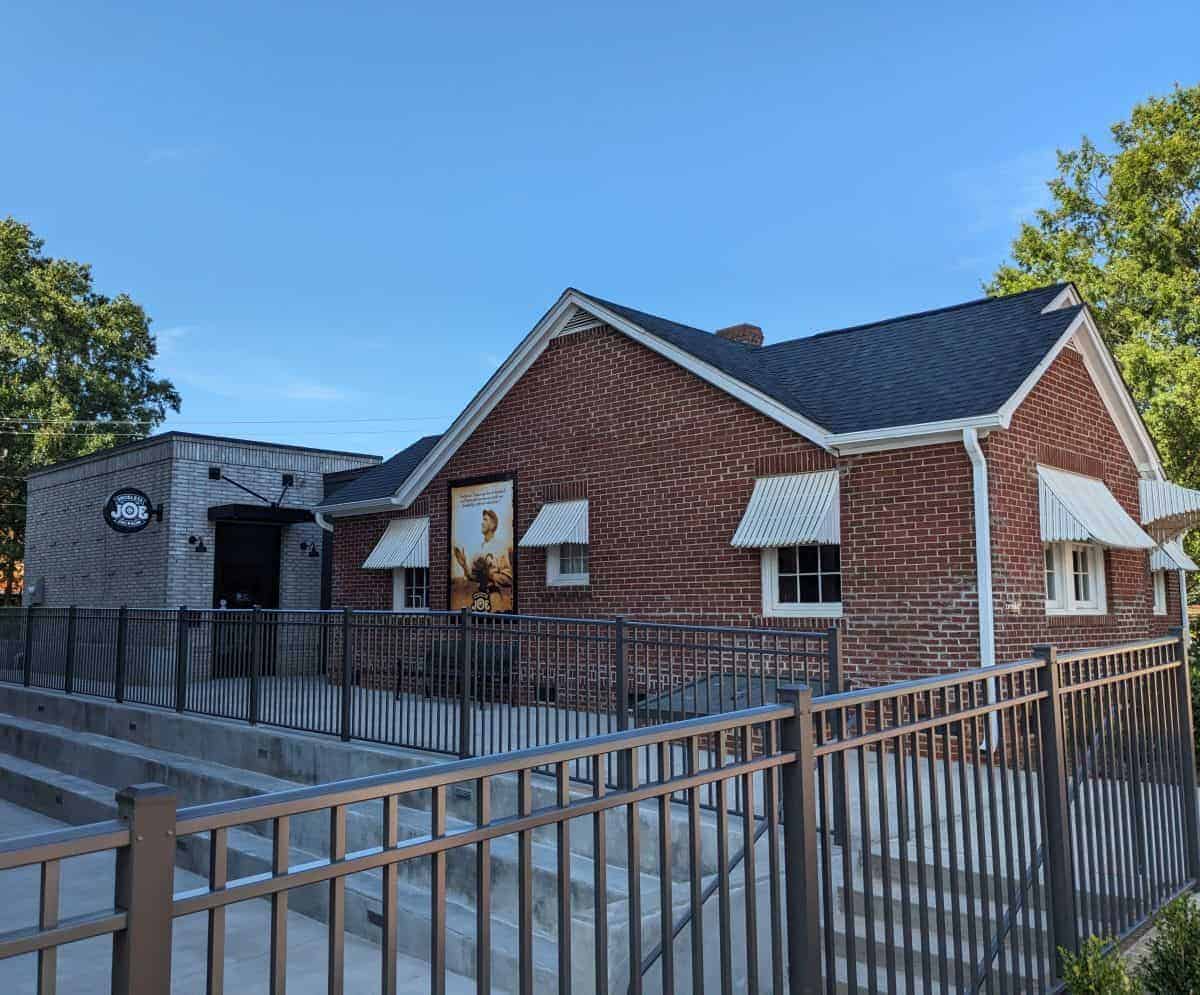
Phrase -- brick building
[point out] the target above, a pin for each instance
(877, 478)
(182, 519)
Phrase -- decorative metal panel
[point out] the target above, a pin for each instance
(405, 543)
(1170, 556)
(558, 522)
(792, 510)
(1168, 510)
(1075, 508)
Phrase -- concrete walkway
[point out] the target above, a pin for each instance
(83, 968)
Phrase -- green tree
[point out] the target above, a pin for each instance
(75, 372)
(1124, 226)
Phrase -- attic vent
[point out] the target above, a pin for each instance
(579, 321)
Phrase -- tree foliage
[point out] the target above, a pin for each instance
(76, 371)
(1124, 226)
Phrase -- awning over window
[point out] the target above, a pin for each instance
(1168, 509)
(405, 543)
(794, 510)
(558, 522)
(1075, 508)
(1170, 556)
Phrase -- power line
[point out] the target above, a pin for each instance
(223, 421)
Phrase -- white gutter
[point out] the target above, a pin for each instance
(983, 549)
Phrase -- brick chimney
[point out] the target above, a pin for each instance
(750, 335)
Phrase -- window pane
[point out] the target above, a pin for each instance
(787, 560)
(1083, 587)
(810, 592)
(416, 587)
(831, 587)
(573, 558)
(831, 559)
(806, 559)
(787, 590)
(1051, 579)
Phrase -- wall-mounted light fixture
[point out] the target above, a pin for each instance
(197, 544)
(311, 549)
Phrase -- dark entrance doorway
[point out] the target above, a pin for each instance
(246, 567)
(245, 575)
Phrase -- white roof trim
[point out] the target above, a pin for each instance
(558, 522)
(532, 346)
(1170, 556)
(404, 543)
(792, 510)
(1168, 509)
(1075, 508)
(1109, 384)
(1067, 297)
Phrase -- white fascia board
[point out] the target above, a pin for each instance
(773, 409)
(1067, 297)
(535, 343)
(1109, 384)
(358, 507)
(907, 436)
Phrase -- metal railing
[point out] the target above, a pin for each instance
(949, 833)
(458, 683)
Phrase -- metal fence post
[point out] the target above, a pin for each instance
(465, 711)
(800, 844)
(27, 663)
(832, 685)
(141, 958)
(1187, 759)
(122, 639)
(69, 668)
(621, 701)
(255, 662)
(347, 670)
(182, 638)
(1059, 854)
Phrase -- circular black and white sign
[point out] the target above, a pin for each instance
(128, 510)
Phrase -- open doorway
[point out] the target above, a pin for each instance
(246, 566)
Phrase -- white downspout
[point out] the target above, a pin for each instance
(983, 549)
(323, 521)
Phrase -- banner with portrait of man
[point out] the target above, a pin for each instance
(482, 547)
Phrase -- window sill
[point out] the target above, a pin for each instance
(1076, 612)
(573, 580)
(826, 609)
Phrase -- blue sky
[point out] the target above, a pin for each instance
(344, 212)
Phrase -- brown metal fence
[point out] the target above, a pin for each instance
(943, 834)
(457, 683)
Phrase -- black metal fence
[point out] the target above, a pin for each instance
(458, 683)
(942, 834)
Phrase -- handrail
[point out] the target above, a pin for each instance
(216, 815)
(863, 696)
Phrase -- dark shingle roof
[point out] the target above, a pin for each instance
(950, 363)
(382, 481)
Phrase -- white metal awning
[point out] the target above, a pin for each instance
(792, 510)
(1168, 509)
(1075, 508)
(1170, 556)
(558, 522)
(405, 543)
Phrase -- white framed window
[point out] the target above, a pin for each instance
(1074, 579)
(1159, 579)
(410, 589)
(802, 581)
(567, 565)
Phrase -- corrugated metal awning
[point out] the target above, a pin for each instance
(792, 510)
(405, 543)
(558, 522)
(1168, 509)
(1075, 508)
(1170, 556)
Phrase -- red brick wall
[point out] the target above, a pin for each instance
(908, 556)
(667, 462)
(1063, 422)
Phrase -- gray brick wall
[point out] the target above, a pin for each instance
(83, 561)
